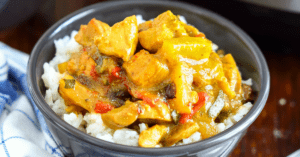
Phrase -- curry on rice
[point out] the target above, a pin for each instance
(162, 73)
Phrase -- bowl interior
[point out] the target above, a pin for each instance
(222, 32)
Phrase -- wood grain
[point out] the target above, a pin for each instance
(276, 132)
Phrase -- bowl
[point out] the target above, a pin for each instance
(221, 31)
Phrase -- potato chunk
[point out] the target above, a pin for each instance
(76, 93)
(164, 26)
(158, 113)
(182, 76)
(179, 132)
(86, 33)
(178, 49)
(151, 137)
(120, 40)
(145, 70)
(122, 116)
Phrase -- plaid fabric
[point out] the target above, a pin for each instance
(23, 131)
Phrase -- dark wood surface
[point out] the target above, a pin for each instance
(276, 132)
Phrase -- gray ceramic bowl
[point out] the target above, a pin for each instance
(221, 31)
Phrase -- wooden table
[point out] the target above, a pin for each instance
(276, 132)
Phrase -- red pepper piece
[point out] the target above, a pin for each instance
(184, 118)
(115, 74)
(102, 107)
(95, 93)
(203, 97)
(146, 99)
(94, 73)
(201, 35)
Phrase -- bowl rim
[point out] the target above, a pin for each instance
(225, 135)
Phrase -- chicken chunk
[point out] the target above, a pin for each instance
(77, 94)
(144, 26)
(153, 38)
(122, 116)
(165, 26)
(87, 33)
(151, 137)
(120, 40)
(158, 113)
(80, 65)
(212, 72)
(145, 70)
(192, 31)
(179, 132)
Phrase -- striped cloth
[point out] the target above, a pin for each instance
(23, 131)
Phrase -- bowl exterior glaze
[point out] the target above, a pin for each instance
(222, 32)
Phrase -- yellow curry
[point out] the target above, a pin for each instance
(163, 73)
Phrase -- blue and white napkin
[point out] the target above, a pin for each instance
(23, 131)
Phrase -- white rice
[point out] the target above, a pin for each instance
(182, 19)
(75, 120)
(215, 47)
(106, 137)
(247, 82)
(234, 118)
(175, 116)
(51, 80)
(207, 106)
(92, 124)
(127, 137)
(140, 19)
(208, 87)
(193, 138)
(220, 127)
(217, 106)
(143, 127)
(64, 48)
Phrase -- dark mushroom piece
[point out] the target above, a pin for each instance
(118, 97)
(170, 91)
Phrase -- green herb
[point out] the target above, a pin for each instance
(105, 81)
(98, 69)
(69, 83)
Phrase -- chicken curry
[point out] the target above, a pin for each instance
(162, 72)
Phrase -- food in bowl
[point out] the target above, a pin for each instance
(155, 83)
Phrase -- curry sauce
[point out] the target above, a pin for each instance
(175, 82)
